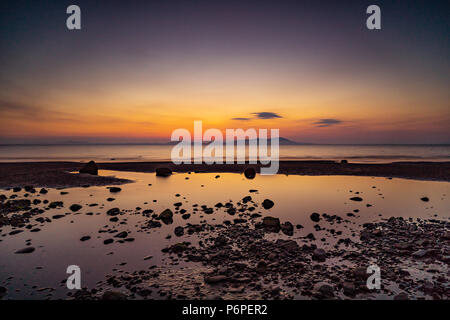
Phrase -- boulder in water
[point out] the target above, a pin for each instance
(90, 167)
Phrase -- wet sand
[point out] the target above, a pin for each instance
(57, 174)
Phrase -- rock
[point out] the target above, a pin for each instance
(113, 212)
(356, 199)
(3, 292)
(90, 168)
(360, 273)
(163, 172)
(319, 255)
(425, 199)
(75, 207)
(419, 253)
(288, 245)
(261, 267)
(113, 295)
(179, 231)
(122, 234)
(55, 204)
(349, 289)
(85, 238)
(108, 241)
(114, 189)
(401, 296)
(267, 204)
(25, 250)
(287, 228)
(148, 257)
(315, 217)
(323, 290)
(344, 161)
(58, 216)
(186, 216)
(166, 216)
(15, 232)
(43, 191)
(250, 173)
(271, 223)
(215, 279)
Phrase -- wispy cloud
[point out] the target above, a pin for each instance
(241, 119)
(327, 122)
(266, 115)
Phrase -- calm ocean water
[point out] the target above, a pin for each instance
(110, 153)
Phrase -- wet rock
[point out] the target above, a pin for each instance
(15, 232)
(108, 241)
(401, 296)
(420, 253)
(113, 212)
(349, 289)
(267, 204)
(425, 199)
(56, 204)
(215, 279)
(58, 216)
(288, 245)
(163, 172)
(261, 267)
(114, 189)
(356, 199)
(323, 290)
(113, 295)
(85, 238)
(75, 207)
(166, 216)
(287, 228)
(43, 191)
(3, 292)
(271, 223)
(315, 217)
(319, 255)
(122, 234)
(90, 168)
(25, 250)
(250, 173)
(179, 231)
(186, 216)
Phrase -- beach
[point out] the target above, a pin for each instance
(209, 232)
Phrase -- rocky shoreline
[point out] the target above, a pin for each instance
(250, 254)
(60, 174)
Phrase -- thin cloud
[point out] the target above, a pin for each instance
(327, 122)
(266, 115)
(241, 119)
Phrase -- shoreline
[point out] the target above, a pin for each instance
(57, 174)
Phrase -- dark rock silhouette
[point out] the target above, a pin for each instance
(163, 172)
(90, 167)
(250, 173)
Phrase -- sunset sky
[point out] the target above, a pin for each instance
(140, 69)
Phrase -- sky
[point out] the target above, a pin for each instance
(137, 70)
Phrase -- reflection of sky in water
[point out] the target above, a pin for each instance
(296, 197)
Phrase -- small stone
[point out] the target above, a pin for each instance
(25, 250)
(179, 231)
(75, 207)
(267, 204)
(315, 217)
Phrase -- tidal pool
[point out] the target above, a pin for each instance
(40, 274)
